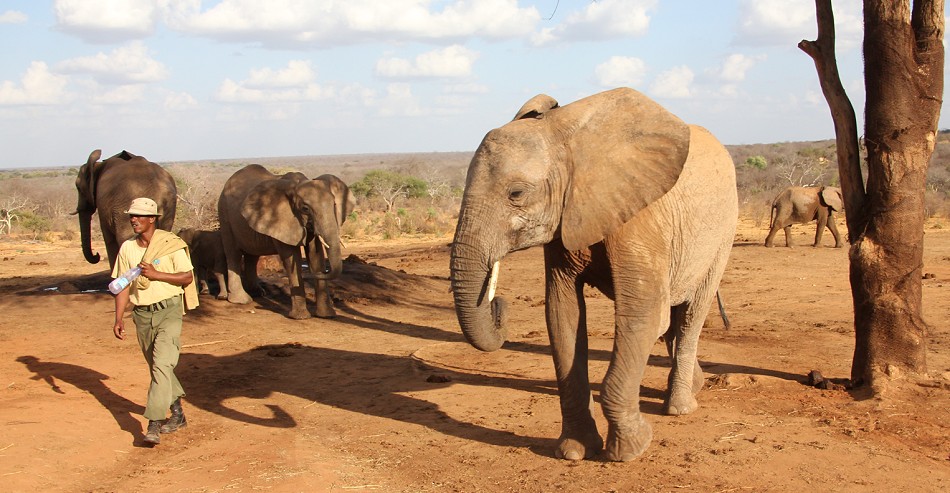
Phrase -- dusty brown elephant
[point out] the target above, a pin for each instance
(800, 205)
(266, 214)
(110, 186)
(625, 197)
(207, 256)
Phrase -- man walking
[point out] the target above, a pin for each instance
(159, 297)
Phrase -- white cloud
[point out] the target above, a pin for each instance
(605, 19)
(453, 61)
(38, 86)
(327, 23)
(786, 22)
(125, 65)
(121, 95)
(735, 67)
(673, 83)
(294, 83)
(180, 101)
(298, 73)
(620, 71)
(399, 101)
(109, 21)
(13, 17)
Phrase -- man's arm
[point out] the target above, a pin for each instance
(176, 278)
(121, 301)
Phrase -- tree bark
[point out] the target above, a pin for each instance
(904, 58)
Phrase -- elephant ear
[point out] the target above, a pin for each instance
(89, 175)
(268, 211)
(343, 201)
(627, 151)
(536, 107)
(831, 196)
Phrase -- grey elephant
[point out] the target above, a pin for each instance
(624, 197)
(207, 256)
(266, 214)
(800, 205)
(109, 186)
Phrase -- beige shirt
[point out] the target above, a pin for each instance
(130, 254)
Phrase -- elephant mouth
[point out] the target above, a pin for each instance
(307, 269)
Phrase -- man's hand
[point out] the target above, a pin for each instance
(119, 329)
(148, 270)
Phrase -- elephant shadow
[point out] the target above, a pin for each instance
(123, 410)
(365, 383)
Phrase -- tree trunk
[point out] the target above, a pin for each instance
(904, 60)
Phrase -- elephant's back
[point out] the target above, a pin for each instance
(122, 181)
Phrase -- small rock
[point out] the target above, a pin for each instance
(439, 379)
(815, 379)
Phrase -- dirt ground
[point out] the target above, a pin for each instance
(388, 396)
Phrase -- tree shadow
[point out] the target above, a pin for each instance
(123, 410)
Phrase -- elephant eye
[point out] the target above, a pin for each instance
(517, 195)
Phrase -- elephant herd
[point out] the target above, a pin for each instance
(260, 213)
(622, 195)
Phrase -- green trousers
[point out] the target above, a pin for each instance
(159, 335)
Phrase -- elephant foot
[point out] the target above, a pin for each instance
(298, 313)
(326, 313)
(680, 403)
(627, 440)
(579, 447)
(222, 296)
(240, 298)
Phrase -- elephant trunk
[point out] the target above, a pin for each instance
(85, 226)
(482, 319)
(332, 258)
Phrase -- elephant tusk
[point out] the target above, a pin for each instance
(493, 281)
(324, 243)
(342, 245)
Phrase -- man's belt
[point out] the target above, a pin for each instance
(154, 307)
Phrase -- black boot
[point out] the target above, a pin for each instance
(152, 436)
(177, 419)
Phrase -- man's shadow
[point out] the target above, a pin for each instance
(122, 409)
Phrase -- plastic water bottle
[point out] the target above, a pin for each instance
(123, 281)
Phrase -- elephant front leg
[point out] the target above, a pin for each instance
(642, 314)
(567, 329)
(298, 293)
(628, 433)
(222, 286)
(324, 299)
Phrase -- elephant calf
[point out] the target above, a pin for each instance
(800, 205)
(207, 256)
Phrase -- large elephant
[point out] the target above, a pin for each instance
(800, 205)
(265, 214)
(626, 198)
(110, 186)
(207, 257)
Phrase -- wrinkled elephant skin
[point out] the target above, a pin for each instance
(265, 214)
(108, 187)
(801, 205)
(626, 198)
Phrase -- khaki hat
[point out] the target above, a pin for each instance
(143, 206)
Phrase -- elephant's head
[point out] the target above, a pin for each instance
(572, 174)
(86, 186)
(832, 197)
(299, 211)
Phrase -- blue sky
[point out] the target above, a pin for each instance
(180, 80)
